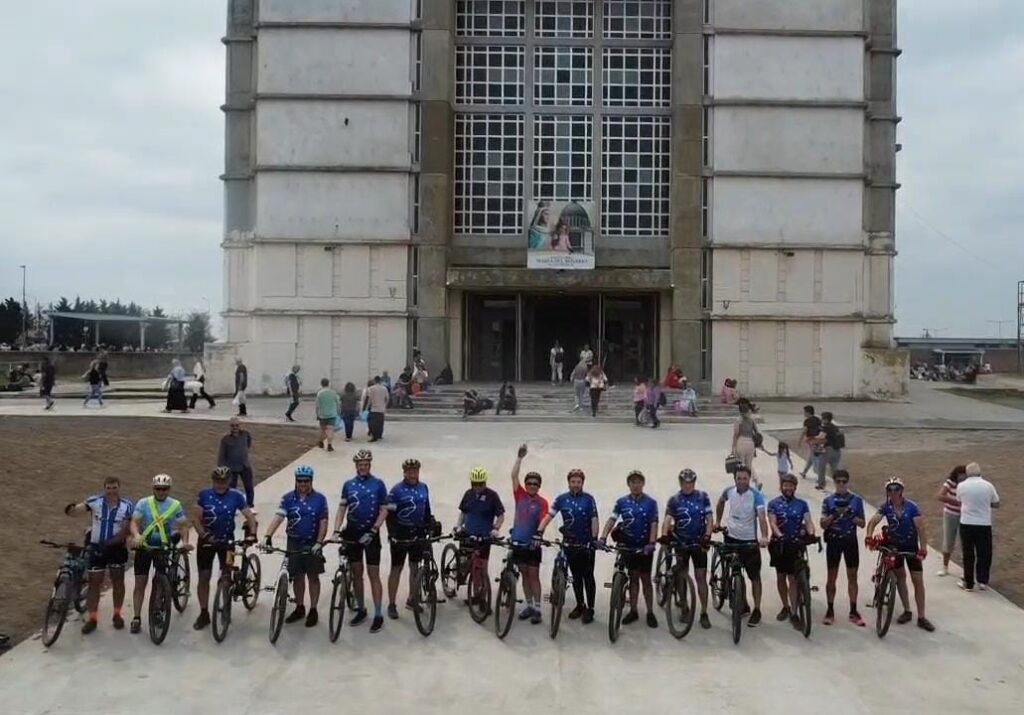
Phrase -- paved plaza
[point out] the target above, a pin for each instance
(974, 661)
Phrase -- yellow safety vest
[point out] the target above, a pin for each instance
(160, 520)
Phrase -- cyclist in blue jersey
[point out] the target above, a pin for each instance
(111, 514)
(531, 509)
(580, 524)
(155, 521)
(905, 532)
(747, 525)
(409, 517)
(842, 513)
(363, 509)
(215, 526)
(635, 522)
(688, 522)
(790, 519)
(305, 510)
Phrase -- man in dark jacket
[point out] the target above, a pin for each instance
(234, 454)
(293, 384)
(241, 382)
(47, 381)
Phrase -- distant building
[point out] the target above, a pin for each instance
(999, 353)
(706, 183)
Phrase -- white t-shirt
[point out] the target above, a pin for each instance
(976, 495)
(743, 512)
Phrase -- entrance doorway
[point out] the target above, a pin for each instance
(492, 337)
(571, 319)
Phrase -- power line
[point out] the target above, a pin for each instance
(948, 238)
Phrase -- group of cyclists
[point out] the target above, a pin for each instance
(635, 524)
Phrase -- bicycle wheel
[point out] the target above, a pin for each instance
(559, 583)
(738, 604)
(479, 596)
(278, 608)
(681, 607)
(885, 603)
(181, 580)
(339, 599)
(160, 598)
(718, 582)
(505, 605)
(56, 609)
(450, 570)
(803, 586)
(253, 576)
(662, 575)
(82, 594)
(424, 601)
(616, 606)
(222, 608)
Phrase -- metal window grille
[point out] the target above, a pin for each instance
(562, 18)
(490, 18)
(635, 176)
(415, 203)
(490, 74)
(705, 137)
(417, 132)
(563, 76)
(638, 19)
(705, 279)
(636, 76)
(707, 65)
(414, 274)
(417, 10)
(705, 207)
(417, 61)
(705, 349)
(563, 147)
(489, 173)
(707, 12)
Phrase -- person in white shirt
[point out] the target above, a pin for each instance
(977, 499)
(557, 359)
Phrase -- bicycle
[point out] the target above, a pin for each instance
(281, 591)
(462, 563)
(618, 585)
(235, 582)
(342, 593)
(727, 582)
(164, 588)
(802, 608)
(505, 603)
(884, 579)
(676, 589)
(180, 577)
(561, 578)
(70, 588)
(423, 593)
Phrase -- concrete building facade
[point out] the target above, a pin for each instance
(388, 164)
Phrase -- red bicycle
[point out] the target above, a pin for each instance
(463, 564)
(884, 579)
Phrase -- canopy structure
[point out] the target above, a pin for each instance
(98, 318)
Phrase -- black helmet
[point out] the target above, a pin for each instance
(363, 455)
(411, 463)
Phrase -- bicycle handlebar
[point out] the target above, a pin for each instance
(420, 540)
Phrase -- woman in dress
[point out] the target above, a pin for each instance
(176, 388)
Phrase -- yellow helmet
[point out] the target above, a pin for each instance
(477, 475)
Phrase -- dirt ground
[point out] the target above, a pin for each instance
(923, 459)
(46, 463)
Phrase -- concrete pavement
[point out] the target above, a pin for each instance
(974, 661)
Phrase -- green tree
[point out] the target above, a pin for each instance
(156, 333)
(10, 321)
(197, 331)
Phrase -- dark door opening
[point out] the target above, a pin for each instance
(630, 337)
(492, 338)
(570, 319)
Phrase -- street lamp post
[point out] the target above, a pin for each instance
(24, 308)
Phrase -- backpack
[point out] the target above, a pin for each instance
(840, 440)
(558, 357)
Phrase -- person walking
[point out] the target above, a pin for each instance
(639, 398)
(950, 514)
(811, 436)
(47, 381)
(199, 373)
(328, 404)
(376, 402)
(597, 381)
(579, 383)
(176, 388)
(587, 356)
(95, 380)
(241, 383)
(652, 401)
(294, 385)
(102, 362)
(834, 442)
(233, 453)
(743, 440)
(977, 499)
(557, 358)
(349, 409)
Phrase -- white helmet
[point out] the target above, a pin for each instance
(162, 480)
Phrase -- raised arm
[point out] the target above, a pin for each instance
(516, 466)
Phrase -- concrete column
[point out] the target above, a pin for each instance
(685, 240)
(238, 108)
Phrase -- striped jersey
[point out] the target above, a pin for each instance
(107, 521)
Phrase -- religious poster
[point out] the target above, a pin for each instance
(561, 235)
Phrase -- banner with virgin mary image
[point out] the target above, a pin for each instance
(561, 235)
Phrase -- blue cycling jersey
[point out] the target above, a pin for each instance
(843, 528)
(481, 508)
(789, 516)
(578, 512)
(410, 504)
(690, 514)
(902, 530)
(363, 496)
(219, 512)
(107, 521)
(303, 514)
(636, 515)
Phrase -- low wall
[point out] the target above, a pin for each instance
(120, 366)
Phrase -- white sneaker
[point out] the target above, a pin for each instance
(942, 572)
(982, 587)
(963, 585)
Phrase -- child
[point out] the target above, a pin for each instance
(785, 463)
(639, 397)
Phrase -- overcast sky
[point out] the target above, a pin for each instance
(113, 142)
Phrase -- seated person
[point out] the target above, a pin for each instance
(730, 396)
(673, 378)
(688, 399)
(446, 377)
(507, 399)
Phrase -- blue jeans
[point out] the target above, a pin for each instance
(350, 423)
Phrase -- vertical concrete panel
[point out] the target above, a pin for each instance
(352, 272)
(726, 286)
(840, 349)
(761, 371)
(799, 365)
(842, 274)
(316, 350)
(725, 360)
(317, 272)
(369, 11)
(391, 344)
(392, 274)
(764, 276)
(351, 351)
(276, 270)
(799, 277)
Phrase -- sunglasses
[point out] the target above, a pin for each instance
(893, 490)
(303, 481)
(533, 484)
(161, 489)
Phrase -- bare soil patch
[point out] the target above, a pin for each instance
(47, 462)
(923, 459)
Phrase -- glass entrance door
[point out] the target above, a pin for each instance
(629, 337)
(492, 338)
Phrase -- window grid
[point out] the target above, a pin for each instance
(638, 19)
(705, 206)
(490, 18)
(636, 77)
(418, 62)
(415, 204)
(415, 331)
(417, 132)
(490, 74)
(705, 349)
(564, 18)
(635, 176)
(707, 12)
(489, 173)
(563, 147)
(563, 76)
(417, 10)
(705, 279)
(705, 137)
(707, 65)
(414, 270)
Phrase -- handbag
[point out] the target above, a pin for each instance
(364, 416)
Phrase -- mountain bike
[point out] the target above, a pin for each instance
(884, 580)
(560, 579)
(423, 593)
(70, 588)
(508, 580)
(281, 589)
(179, 574)
(342, 594)
(235, 582)
(464, 564)
(165, 587)
(727, 582)
(620, 589)
(802, 597)
(676, 590)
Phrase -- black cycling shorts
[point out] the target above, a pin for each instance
(842, 550)
(481, 548)
(783, 556)
(305, 563)
(355, 551)
(143, 560)
(913, 563)
(750, 558)
(639, 562)
(526, 557)
(399, 552)
(113, 557)
(699, 557)
(206, 550)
